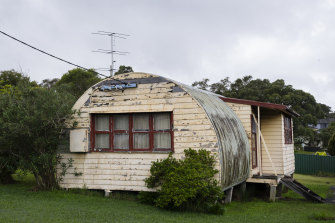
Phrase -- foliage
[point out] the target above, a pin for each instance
(331, 145)
(124, 69)
(187, 184)
(49, 83)
(63, 167)
(12, 78)
(9, 79)
(275, 92)
(203, 84)
(326, 134)
(31, 123)
(77, 81)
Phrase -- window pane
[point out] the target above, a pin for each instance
(162, 140)
(102, 123)
(121, 141)
(254, 158)
(141, 122)
(253, 140)
(162, 121)
(141, 141)
(121, 122)
(253, 125)
(102, 141)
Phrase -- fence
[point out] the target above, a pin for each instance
(312, 164)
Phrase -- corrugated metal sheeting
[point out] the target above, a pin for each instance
(234, 148)
(313, 164)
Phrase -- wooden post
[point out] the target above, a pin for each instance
(107, 193)
(259, 151)
(229, 195)
(273, 190)
(243, 188)
(279, 190)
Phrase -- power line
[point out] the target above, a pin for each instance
(58, 58)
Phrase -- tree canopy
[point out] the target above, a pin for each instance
(124, 69)
(31, 122)
(274, 92)
(77, 81)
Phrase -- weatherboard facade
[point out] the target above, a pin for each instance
(279, 158)
(158, 116)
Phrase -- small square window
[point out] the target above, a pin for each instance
(121, 141)
(141, 141)
(162, 140)
(162, 121)
(141, 122)
(102, 141)
(121, 122)
(102, 123)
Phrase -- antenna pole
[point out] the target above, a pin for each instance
(112, 51)
(112, 55)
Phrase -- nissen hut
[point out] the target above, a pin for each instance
(128, 121)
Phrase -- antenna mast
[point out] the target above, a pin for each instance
(111, 51)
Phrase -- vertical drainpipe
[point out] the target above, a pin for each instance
(259, 152)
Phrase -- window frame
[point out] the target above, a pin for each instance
(131, 132)
(253, 140)
(288, 130)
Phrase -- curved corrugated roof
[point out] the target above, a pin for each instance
(234, 151)
(233, 145)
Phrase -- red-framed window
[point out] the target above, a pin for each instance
(132, 132)
(288, 129)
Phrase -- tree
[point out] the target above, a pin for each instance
(49, 83)
(31, 123)
(203, 84)
(326, 134)
(77, 81)
(9, 79)
(331, 145)
(124, 69)
(221, 87)
(12, 78)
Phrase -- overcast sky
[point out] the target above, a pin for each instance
(183, 40)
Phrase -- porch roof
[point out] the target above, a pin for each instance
(279, 107)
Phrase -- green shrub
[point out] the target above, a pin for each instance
(187, 184)
(331, 145)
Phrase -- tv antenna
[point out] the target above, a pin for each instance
(112, 51)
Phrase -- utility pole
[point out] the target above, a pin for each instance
(111, 51)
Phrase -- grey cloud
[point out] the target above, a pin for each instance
(184, 40)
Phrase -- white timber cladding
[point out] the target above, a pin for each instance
(288, 154)
(272, 128)
(127, 170)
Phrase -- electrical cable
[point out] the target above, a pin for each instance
(58, 58)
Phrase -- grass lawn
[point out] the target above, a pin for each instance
(19, 203)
